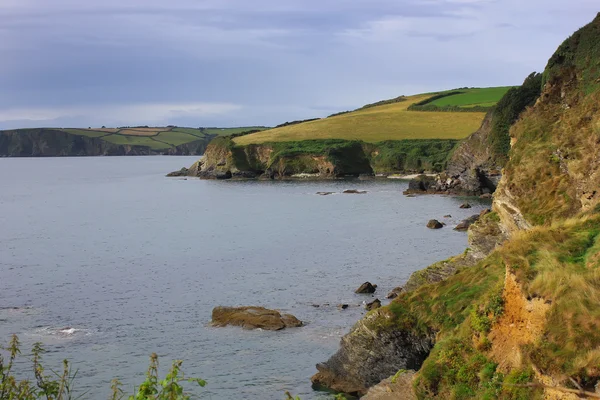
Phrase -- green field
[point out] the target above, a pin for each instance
(376, 124)
(483, 97)
(156, 138)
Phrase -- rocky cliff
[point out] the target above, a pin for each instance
(475, 166)
(320, 158)
(516, 316)
(51, 143)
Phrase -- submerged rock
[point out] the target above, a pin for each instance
(354, 191)
(465, 205)
(373, 305)
(325, 193)
(466, 223)
(253, 317)
(366, 288)
(343, 306)
(434, 224)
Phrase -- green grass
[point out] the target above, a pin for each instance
(376, 124)
(482, 97)
(136, 141)
(85, 132)
(175, 138)
(231, 131)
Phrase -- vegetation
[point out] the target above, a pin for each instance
(506, 112)
(60, 385)
(376, 124)
(470, 100)
(155, 138)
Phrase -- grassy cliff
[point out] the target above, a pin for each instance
(523, 321)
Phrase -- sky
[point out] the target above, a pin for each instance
(80, 63)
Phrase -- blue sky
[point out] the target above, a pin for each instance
(72, 63)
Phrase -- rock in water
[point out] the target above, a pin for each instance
(343, 306)
(394, 293)
(465, 205)
(434, 224)
(465, 224)
(366, 288)
(354, 191)
(373, 305)
(182, 172)
(325, 193)
(253, 317)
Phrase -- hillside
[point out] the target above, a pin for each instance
(516, 316)
(110, 141)
(390, 120)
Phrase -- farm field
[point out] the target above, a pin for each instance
(483, 97)
(156, 138)
(375, 124)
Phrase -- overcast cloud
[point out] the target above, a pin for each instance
(72, 63)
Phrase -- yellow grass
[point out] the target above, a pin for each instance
(141, 131)
(387, 122)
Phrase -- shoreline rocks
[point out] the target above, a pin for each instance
(366, 288)
(373, 305)
(466, 223)
(252, 317)
(434, 224)
(354, 191)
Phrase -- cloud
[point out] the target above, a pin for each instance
(80, 62)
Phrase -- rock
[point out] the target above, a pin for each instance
(397, 387)
(369, 354)
(394, 293)
(486, 196)
(421, 183)
(465, 205)
(354, 191)
(343, 306)
(253, 317)
(484, 212)
(465, 224)
(182, 172)
(325, 193)
(448, 216)
(366, 288)
(434, 224)
(316, 305)
(373, 305)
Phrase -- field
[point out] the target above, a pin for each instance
(375, 124)
(157, 138)
(483, 97)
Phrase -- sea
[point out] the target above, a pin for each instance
(104, 260)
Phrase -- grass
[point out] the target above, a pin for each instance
(136, 141)
(485, 97)
(156, 138)
(376, 124)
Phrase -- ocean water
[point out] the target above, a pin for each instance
(104, 260)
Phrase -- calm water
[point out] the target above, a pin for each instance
(134, 262)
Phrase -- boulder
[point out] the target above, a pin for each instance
(325, 193)
(373, 305)
(466, 223)
(465, 205)
(448, 216)
(486, 196)
(342, 306)
(434, 224)
(394, 293)
(354, 191)
(182, 172)
(421, 183)
(366, 288)
(253, 317)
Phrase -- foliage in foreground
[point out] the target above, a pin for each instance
(60, 385)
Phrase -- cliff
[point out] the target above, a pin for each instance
(44, 142)
(516, 316)
(475, 166)
(333, 158)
